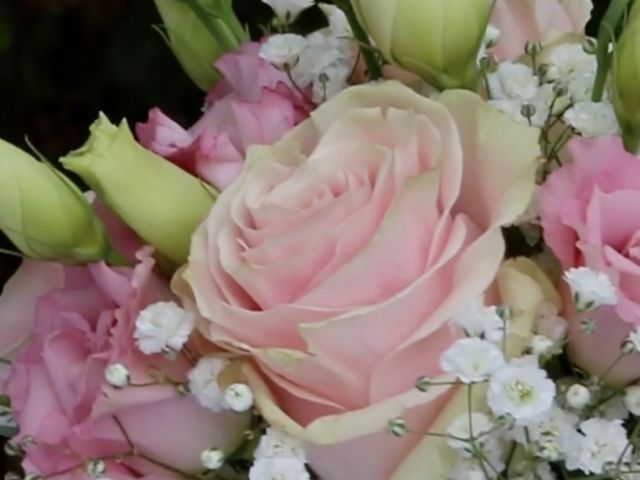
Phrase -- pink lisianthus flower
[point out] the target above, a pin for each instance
(520, 21)
(255, 103)
(589, 216)
(80, 325)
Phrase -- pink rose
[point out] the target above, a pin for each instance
(57, 383)
(255, 103)
(589, 220)
(338, 256)
(520, 21)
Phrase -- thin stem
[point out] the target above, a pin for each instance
(5, 361)
(374, 68)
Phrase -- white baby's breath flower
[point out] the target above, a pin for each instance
(283, 50)
(212, 458)
(278, 469)
(570, 61)
(593, 119)
(578, 396)
(338, 22)
(479, 320)
(276, 443)
(590, 289)
(538, 471)
(540, 345)
(552, 436)
(288, 9)
(163, 326)
(203, 383)
(513, 81)
(601, 442)
(521, 391)
(238, 397)
(472, 359)
(117, 375)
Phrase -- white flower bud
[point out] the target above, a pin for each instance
(590, 289)
(238, 397)
(212, 458)
(33, 476)
(95, 468)
(578, 396)
(397, 427)
(632, 399)
(203, 383)
(117, 375)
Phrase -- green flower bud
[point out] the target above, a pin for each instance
(198, 32)
(436, 39)
(44, 214)
(626, 77)
(160, 202)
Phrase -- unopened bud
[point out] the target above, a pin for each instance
(532, 48)
(212, 458)
(238, 397)
(95, 468)
(528, 111)
(117, 375)
(590, 45)
(423, 384)
(13, 449)
(397, 427)
(578, 396)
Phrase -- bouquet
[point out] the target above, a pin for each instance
(403, 245)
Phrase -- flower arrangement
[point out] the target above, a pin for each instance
(402, 246)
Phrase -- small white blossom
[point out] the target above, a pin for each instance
(117, 375)
(203, 383)
(238, 397)
(472, 359)
(590, 289)
(278, 469)
(288, 10)
(163, 326)
(338, 22)
(593, 119)
(540, 345)
(553, 434)
(539, 471)
(613, 409)
(479, 320)
(578, 396)
(212, 458)
(276, 443)
(632, 399)
(283, 50)
(513, 81)
(601, 442)
(522, 391)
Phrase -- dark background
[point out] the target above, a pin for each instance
(63, 61)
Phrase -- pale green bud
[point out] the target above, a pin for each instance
(626, 78)
(436, 39)
(44, 214)
(160, 202)
(199, 31)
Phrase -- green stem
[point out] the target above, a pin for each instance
(606, 33)
(361, 36)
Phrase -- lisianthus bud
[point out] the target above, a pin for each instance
(44, 214)
(436, 39)
(199, 31)
(158, 200)
(626, 75)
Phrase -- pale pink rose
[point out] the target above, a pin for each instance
(338, 256)
(520, 21)
(57, 385)
(590, 219)
(254, 103)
